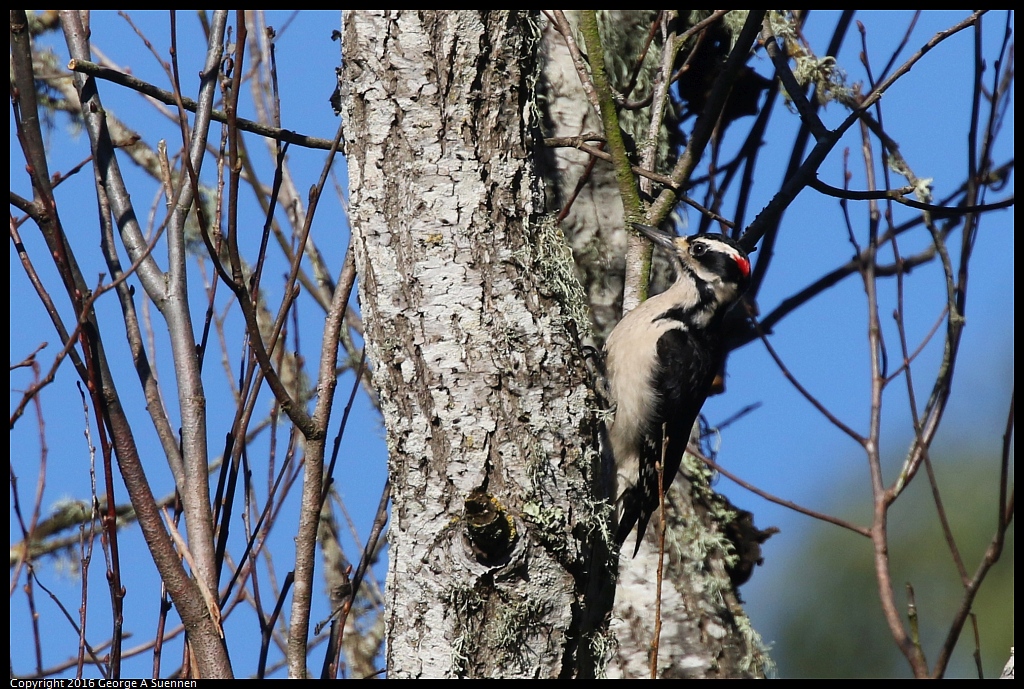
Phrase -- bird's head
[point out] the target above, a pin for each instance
(714, 259)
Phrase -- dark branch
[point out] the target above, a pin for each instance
(167, 98)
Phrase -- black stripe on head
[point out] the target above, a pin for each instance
(734, 268)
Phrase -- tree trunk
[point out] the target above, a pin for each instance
(474, 319)
(467, 296)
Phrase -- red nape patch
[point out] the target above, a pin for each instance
(744, 265)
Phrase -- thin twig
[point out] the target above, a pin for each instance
(899, 196)
(801, 389)
(557, 17)
(660, 95)
(286, 135)
(706, 121)
(700, 26)
(808, 113)
(860, 530)
(369, 552)
(662, 524)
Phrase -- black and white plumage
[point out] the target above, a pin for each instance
(661, 361)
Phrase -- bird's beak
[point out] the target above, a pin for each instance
(657, 236)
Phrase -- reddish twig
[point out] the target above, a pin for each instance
(860, 530)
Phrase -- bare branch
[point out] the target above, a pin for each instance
(860, 530)
(899, 196)
(166, 97)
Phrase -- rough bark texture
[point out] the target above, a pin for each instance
(473, 322)
(466, 296)
(583, 189)
(705, 632)
(594, 224)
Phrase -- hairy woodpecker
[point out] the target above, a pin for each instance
(662, 358)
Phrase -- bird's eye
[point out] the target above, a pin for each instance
(698, 250)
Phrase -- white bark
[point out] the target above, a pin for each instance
(480, 382)
(466, 294)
